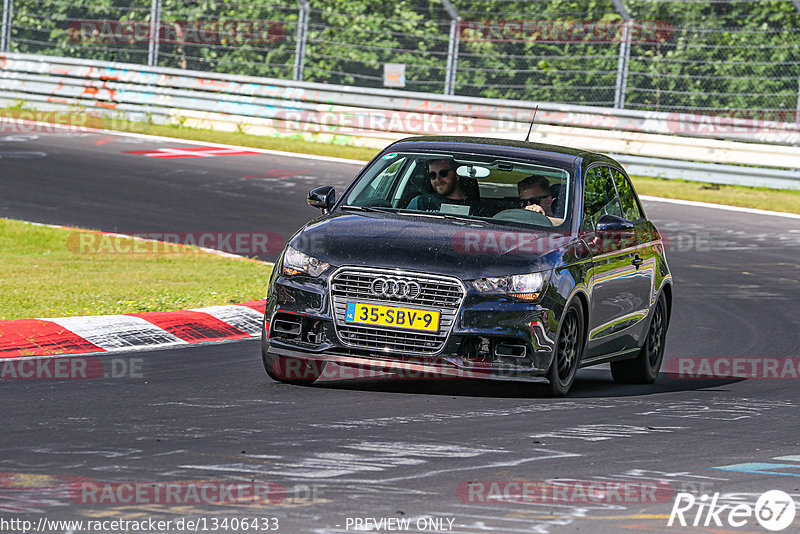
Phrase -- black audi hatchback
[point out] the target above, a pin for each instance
(472, 257)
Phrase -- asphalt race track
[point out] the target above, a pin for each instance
(354, 448)
(88, 181)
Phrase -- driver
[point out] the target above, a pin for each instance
(534, 195)
(447, 187)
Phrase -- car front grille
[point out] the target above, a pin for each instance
(439, 293)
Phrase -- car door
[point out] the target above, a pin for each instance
(616, 289)
(639, 247)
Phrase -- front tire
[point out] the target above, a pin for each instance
(569, 350)
(292, 370)
(644, 368)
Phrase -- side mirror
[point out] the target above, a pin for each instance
(322, 198)
(613, 224)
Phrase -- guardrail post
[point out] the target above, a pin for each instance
(155, 23)
(452, 48)
(302, 37)
(797, 112)
(624, 55)
(797, 109)
(5, 29)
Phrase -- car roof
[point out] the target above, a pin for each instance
(501, 147)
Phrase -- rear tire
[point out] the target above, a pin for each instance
(644, 368)
(288, 370)
(569, 350)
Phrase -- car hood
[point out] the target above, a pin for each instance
(428, 244)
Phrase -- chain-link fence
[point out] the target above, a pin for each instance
(740, 56)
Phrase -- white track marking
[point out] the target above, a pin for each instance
(367, 458)
(111, 332)
(238, 147)
(604, 432)
(244, 318)
(725, 207)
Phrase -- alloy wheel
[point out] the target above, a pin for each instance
(568, 346)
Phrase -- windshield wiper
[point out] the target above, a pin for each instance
(367, 208)
(449, 216)
(452, 217)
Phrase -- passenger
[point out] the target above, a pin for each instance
(534, 195)
(446, 185)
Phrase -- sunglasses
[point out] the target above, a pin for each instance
(532, 200)
(442, 173)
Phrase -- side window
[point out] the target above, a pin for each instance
(630, 207)
(379, 188)
(413, 182)
(599, 196)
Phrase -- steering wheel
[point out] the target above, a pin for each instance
(519, 215)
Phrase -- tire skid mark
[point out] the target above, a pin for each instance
(714, 409)
(342, 461)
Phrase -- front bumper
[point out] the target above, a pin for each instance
(490, 337)
(405, 368)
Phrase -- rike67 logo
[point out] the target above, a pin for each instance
(774, 510)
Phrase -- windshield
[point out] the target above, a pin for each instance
(502, 191)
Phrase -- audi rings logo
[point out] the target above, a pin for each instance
(394, 288)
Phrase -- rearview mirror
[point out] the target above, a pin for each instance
(322, 198)
(472, 171)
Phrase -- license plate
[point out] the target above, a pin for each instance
(407, 318)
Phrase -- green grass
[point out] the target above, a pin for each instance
(733, 195)
(46, 275)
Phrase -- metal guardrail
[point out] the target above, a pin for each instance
(656, 55)
(710, 172)
(729, 151)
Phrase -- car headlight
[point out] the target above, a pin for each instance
(520, 286)
(295, 262)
